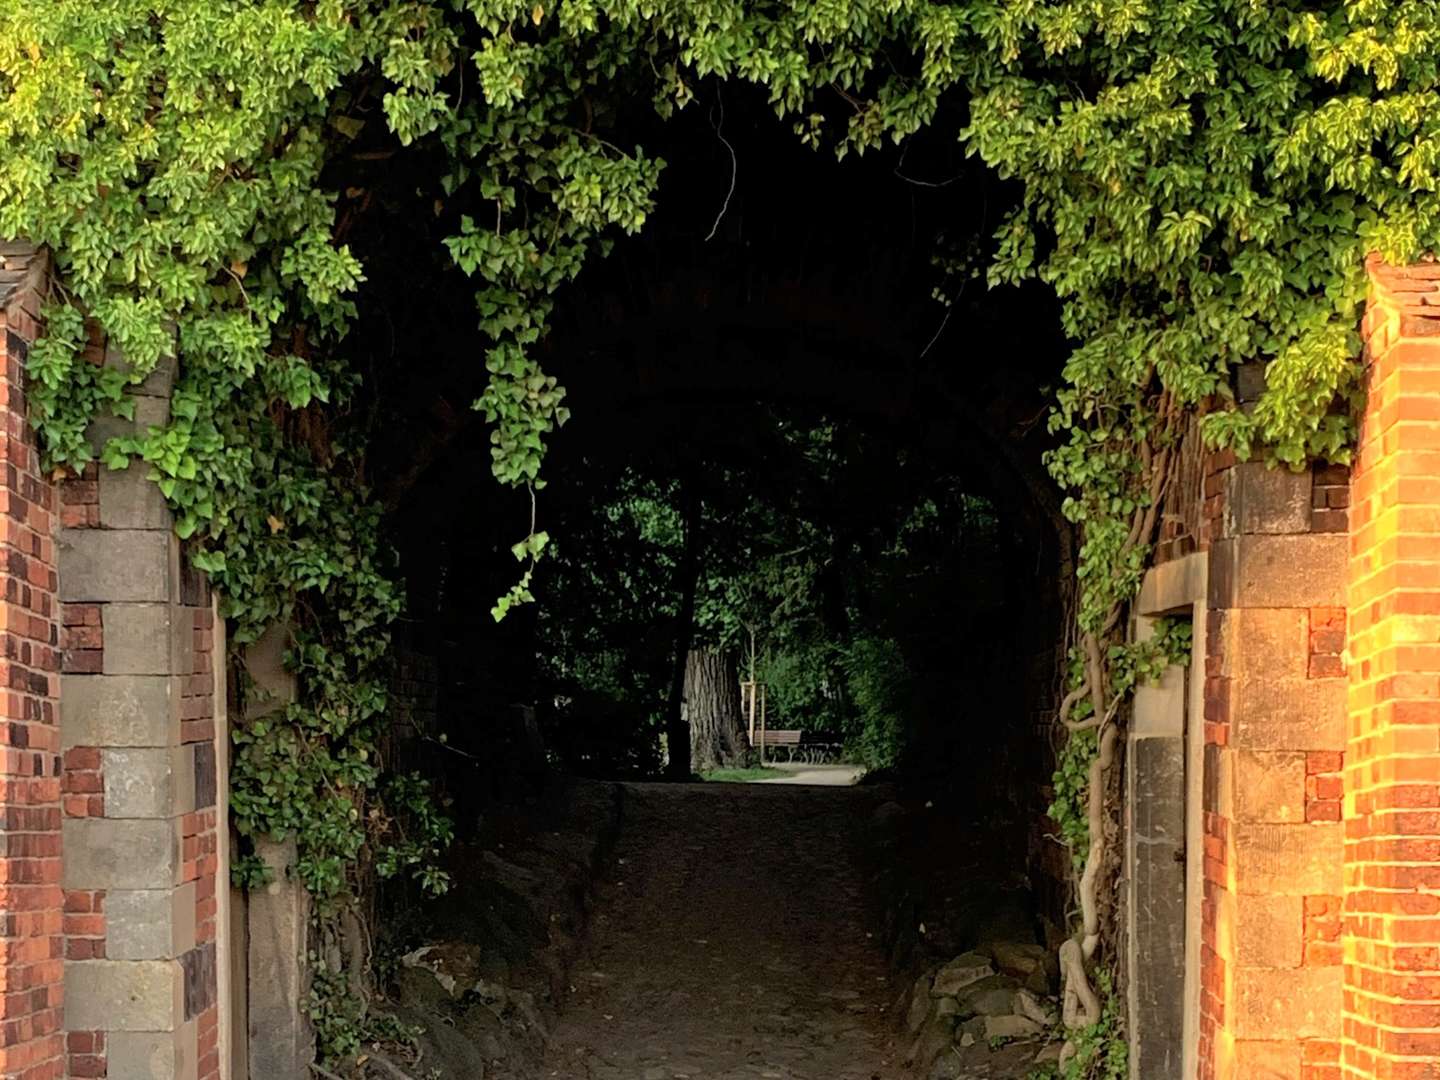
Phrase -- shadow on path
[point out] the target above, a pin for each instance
(732, 943)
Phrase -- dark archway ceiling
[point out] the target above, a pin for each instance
(811, 289)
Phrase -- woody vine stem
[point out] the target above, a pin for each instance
(1081, 1006)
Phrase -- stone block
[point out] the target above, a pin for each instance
(137, 638)
(1302, 1003)
(959, 973)
(1291, 860)
(118, 710)
(1301, 571)
(117, 565)
(1267, 1060)
(281, 1041)
(129, 499)
(122, 995)
(149, 412)
(1287, 714)
(158, 384)
(1269, 785)
(1159, 706)
(272, 686)
(152, 1055)
(149, 782)
(1269, 642)
(1155, 905)
(148, 639)
(101, 853)
(150, 924)
(1266, 500)
(1269, 931)
(1174, 586)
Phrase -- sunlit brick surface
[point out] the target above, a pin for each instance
(1391, 926)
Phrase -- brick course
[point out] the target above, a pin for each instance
(32, 1042)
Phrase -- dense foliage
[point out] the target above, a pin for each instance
(1200, 182)
(822, 590)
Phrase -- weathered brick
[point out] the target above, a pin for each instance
(32, 1046)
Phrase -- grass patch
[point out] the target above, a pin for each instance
(741, 776)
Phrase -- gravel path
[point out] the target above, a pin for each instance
(731, 944)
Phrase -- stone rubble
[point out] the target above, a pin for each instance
(483, 991)
(988, 1012)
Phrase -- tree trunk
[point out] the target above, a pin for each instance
(712, 705)
(677, 733)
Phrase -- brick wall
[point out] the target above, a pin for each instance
(200, 839)
(1391, 928)
(32, 1044)
(1190, 512)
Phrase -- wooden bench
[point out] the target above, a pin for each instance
(810, 747)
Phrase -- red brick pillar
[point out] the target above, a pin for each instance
(32, 1042)
(1392, 770)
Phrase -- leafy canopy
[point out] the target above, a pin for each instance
(1201, 179)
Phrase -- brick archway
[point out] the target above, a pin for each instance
(1318, 938)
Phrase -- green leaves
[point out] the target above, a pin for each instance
(1200, 182)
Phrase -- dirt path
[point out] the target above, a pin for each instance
(731, 944)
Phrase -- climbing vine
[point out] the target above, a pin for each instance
(1199, 180)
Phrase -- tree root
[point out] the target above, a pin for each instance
(1081, 1006)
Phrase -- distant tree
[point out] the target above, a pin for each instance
(718, 737)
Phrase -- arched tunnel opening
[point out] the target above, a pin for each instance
(788, 467)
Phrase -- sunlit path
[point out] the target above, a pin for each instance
(820, 775)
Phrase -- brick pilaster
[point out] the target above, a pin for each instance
(141, 798)
(1274, 745)
(1391, 932)
(32, 1042)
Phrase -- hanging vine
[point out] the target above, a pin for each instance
(1201, 181)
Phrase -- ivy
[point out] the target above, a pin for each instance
(1100, 1051)
(1200, 182)
(1131, 665)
